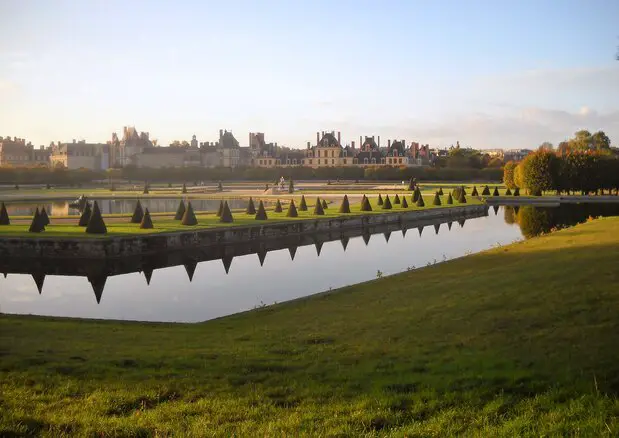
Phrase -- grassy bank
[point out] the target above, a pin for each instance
(163, 223)
(518, 340)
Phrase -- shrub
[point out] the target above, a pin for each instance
(540, 171)
(508, 175)
(220, 210)
(292, 210)
(324, 205)
(450, 199)
(474, 192)
(180, 211)
(85, 217)
(145, 189)
(440, 191)
(517, 191)
(486, 191)
(387, 204)
(495, 192)
(302, 204)
(420, 202)
(4, 215)
(189, 217)
(412, 183)
(396, 199)
(184, 189)
(404, 202)
(226, 214)
(318, 210)
(147, 222)
(261, 215)
(96, 224)
(278, 207)
(48, 187)
(380, 200)
(37, 224)
(508, 192)
(437, 199)
(291, 187)
(345, 207)
(138, 214)
(462, 198)
(220, 187)
(44, 217)
(251, 208)
(16, 186)
(463, 190)
(365, 204)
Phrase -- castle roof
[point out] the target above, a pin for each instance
(328, 141)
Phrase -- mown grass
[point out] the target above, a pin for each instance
(164, 223)
(515, 341)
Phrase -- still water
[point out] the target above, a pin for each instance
(117, 206)
(213, 292)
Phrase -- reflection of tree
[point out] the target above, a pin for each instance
(534, 221)
(509, 215)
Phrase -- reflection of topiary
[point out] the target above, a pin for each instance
(180, 211)
(365, 204)
(292, 210)
(437, 199)
(184, 190)
(44, 217)
(4, 215)
(145, 189)
(220, 187)
(380, 200)
(474, 192)
(226, 214)
(318, 210)
(416, 195)
(302, 204)
(345, 207)
(508, 192)
(96, 224)
(251, 209)
(278, 207)
(387, 204)
(462, 198)
(37, 224)
(486, 191)
(440, 191)
(324, 205)
(396, 199)
(450, 199)
(138, 214)
(420, 202)
(412, 183)
(85, 217)
(147, 222)
(189, 217)
(221, 208)
(261, 215)
(517, 191)
(496, 192)
(404, 202)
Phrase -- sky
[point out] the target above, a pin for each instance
(486, 73)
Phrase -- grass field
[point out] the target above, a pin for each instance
(516, 341)
(209, 220)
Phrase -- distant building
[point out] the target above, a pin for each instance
(17, 153)
(516, 154)
(123, 151)
(81, 155)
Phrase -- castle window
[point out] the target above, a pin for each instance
(332, 161)
(400, 160)
(345, 161)
(382, 161)
(270, 162)
(373, 160)
(345, 152)
(278, 162)
(365, 161)
(355, 161)
(332, 154)
(310, 161)
(288, 161)
(319, 161)
(294, 162)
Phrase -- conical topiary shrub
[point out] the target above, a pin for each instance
(462, 198)
(474, 192)
(387, 203)
(396, 199)
(220, 187)
(440, 191)
(318, 210)
(292, 210)
(365, 204)
(463, 190)
(508, 192)
(138, 214)
(85, 217)
(145, 189)
(437, 199)
(291, 187)
(416, 195)
(4, 215)
(221, 208)
(44, 217)
(324, 205)
(96, 224)
(184, 190)
(251, 209)
(261, 215)
(380, 200)
(495, 192)
(278, 207)
(486, 191)
(517, 191)
(420, 202)
(412, 183)
(189, 217)
(450, 199)
(180, 211)
(404, 202)
(345, 207)
(302, 204)
(37, 224)
(147, 222)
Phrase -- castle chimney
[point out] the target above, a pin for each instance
(308, 144)
(352, 143)
(338, 138)
(221, 133)
(360, 141)
(317, 138)
(388, 143)
(379, 141)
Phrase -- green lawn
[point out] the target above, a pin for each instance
(209, 220)
(520, 340)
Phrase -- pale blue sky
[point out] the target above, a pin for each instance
(489, 73)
